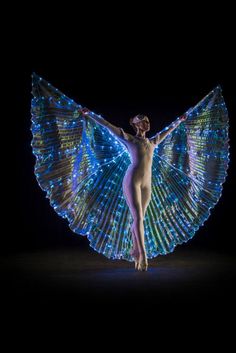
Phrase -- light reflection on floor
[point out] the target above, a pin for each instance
(72, 273)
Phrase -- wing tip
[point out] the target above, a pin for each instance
(35, 77)
(218, 88)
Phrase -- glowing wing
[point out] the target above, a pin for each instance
(81, 165)
(189, 168)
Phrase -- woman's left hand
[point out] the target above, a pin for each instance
(84, 111)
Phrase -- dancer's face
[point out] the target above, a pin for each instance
(143, 124)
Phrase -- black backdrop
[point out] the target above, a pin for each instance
(118, 85)
(119, 64)
(117, 67)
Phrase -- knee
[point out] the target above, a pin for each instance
(138, 217)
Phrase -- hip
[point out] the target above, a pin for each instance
(138, 176)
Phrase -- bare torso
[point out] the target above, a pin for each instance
(140, 169)
(137, 184)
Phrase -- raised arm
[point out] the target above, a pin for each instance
(160, 136)
(117, 131)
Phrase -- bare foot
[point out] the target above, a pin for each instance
(142, 263)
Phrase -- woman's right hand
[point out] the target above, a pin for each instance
(84, 111)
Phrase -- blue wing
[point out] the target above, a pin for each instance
(189, 168)
(81, 165)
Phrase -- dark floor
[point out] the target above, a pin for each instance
(71, 274)
(66, 293)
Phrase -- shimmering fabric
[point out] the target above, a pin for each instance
(81, 166)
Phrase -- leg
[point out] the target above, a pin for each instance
(135, 249)
(145, 198)
(132, 192)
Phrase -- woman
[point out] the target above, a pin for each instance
(138, 177)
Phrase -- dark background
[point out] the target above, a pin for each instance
(117, 80)
(117, 62)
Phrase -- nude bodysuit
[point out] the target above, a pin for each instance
(138, 177)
